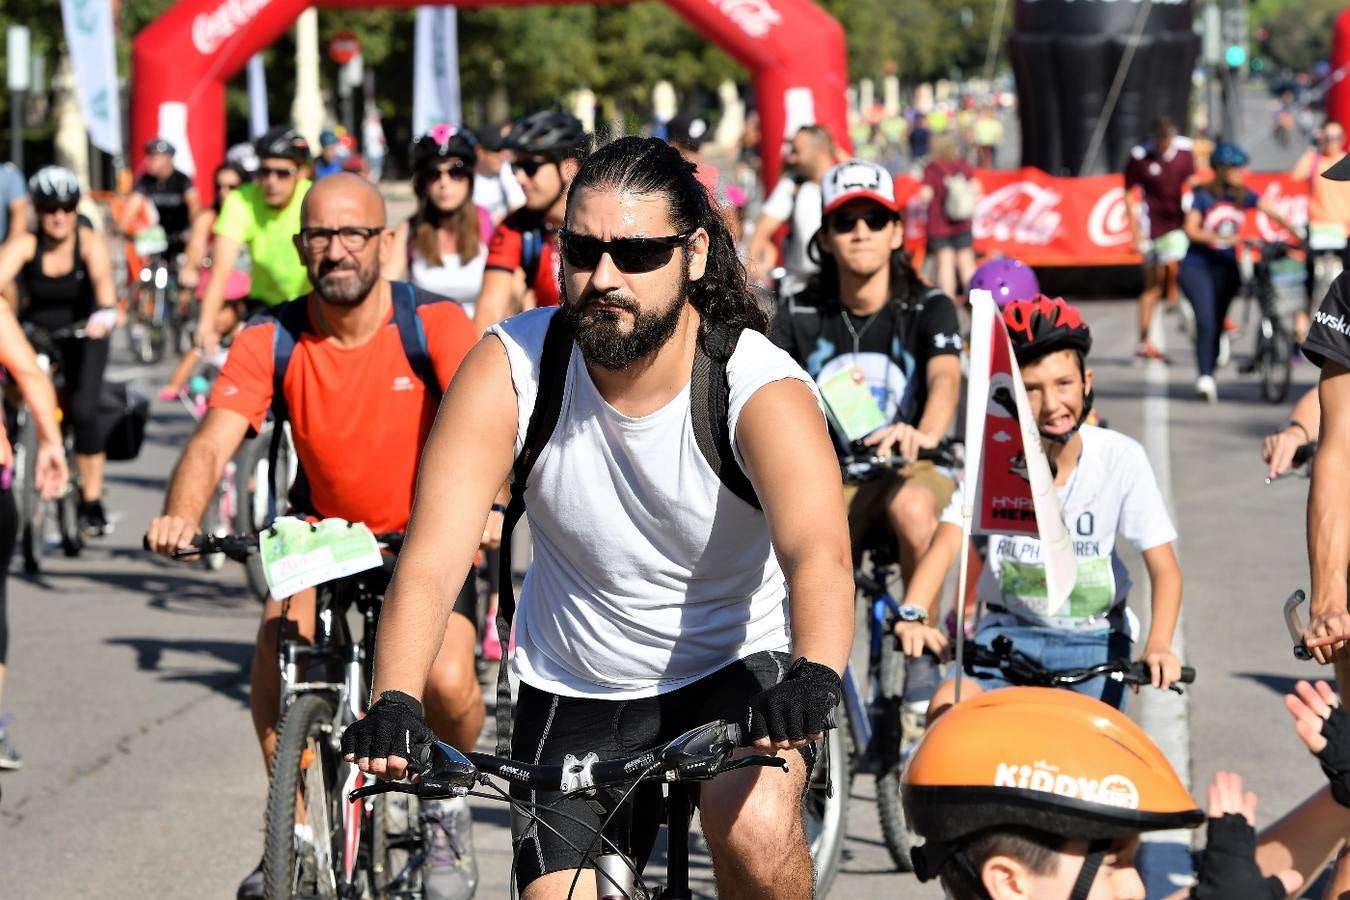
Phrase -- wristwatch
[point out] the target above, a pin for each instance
(914, 614)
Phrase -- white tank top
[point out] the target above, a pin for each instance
(648, 573)
(460, 281)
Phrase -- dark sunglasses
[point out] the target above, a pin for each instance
(223, 186)
(276, 172)
(456, 172)
(49, 208)
(631, 255)
(874, 219)
(531, 166)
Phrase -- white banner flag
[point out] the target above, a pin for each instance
(89, 37)
(435, 68)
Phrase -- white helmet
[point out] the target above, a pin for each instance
(54, 185)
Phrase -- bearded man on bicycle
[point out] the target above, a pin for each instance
(659, 596)
(885, 351)
(359, 413)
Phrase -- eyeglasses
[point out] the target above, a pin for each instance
(352, 237)
(455, 172)
(226, 186)
(53, 208)
(632, 256)
(531, 166)
(276, 172)
(874, 219)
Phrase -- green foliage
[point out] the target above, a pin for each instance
(1300, 30)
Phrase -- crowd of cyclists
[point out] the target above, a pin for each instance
(587, 330)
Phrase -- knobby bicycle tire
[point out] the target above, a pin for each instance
(253, 511)
(305, 765)
(895, 831)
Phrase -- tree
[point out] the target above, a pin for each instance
(1300, 32)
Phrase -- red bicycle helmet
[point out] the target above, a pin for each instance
(1041, 325)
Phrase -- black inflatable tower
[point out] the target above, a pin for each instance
(1065, 55)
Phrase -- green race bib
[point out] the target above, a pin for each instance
(298, 555)
(851, 404)
(1093, 595)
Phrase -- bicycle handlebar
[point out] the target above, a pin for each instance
(697, 755)
(239, 547)
(862, 464)
(1019, 669)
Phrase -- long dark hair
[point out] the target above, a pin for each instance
(822, 288)
(652, 167)
(425, 237)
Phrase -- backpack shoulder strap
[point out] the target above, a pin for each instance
(413, 335)
(292, 321)
(709, 402)
(552, 382)
(531, 252)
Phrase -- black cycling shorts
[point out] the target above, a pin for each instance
(548, 727)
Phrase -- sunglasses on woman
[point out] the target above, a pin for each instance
(874, 219)
(51, 208)
(632, 256)
(224, 187)
(455, 172)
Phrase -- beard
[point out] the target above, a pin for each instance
(603, 341)
(341, 290)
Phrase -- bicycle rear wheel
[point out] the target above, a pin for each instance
(31, 508)
(306, 770)
(1276, 363)
(825, 805)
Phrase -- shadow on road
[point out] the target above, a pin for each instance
(232, 682)
(179, 592)
(1279, 684)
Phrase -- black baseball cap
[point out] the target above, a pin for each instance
(159, 145)
(1340, 171)
(690, 132)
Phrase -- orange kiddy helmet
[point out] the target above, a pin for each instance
(1038, 758)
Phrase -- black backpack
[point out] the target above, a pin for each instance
(709, 397)
(292, 321)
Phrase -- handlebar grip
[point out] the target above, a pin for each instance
(1187, 675)
(145, 543)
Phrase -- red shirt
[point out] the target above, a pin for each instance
(1162, 178)
(935, 175)
(359, 415)
(506, 251)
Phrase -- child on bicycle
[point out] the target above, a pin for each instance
(1105, 485)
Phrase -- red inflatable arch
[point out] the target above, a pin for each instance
(793, 48)
(1338, 96)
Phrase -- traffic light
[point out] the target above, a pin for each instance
(1235, 34)
(1235, 56)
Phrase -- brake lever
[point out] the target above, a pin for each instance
(1291, 620)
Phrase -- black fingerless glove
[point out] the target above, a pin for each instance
(1335, 756)
(394, 726)
(1228, 870)
(799, 705)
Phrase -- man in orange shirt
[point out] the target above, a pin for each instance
(360, 406)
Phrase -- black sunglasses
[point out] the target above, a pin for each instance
(531, 166)
(277, 172)
(223, 186)
(631, 255)
(49, 208)
(456, 172)
(874, 219)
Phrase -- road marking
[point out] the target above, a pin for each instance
(1164, 714)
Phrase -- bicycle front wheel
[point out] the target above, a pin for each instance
(299, 855)
(895, 831)
(1276, 364)
(825, 805)
(254, 508)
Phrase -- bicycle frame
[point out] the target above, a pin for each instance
(341, 675)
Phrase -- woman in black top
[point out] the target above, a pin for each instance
(65, 277)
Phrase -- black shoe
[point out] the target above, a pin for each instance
(251, 888)
(92, 519)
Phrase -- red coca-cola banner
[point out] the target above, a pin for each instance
(1048, 221)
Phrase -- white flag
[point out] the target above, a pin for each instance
(1009, 488)
(89, 37)
(435, 68)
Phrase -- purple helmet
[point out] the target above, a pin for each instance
(1007, 279)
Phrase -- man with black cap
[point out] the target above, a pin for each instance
(171, 191)
(688, 134)
(494, 184)
(1328, 347)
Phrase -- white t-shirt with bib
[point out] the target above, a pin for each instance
(1112, 490)
(648, 573)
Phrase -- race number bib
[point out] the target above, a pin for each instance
(1094, 593)
(851, 403)
(297, 554)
